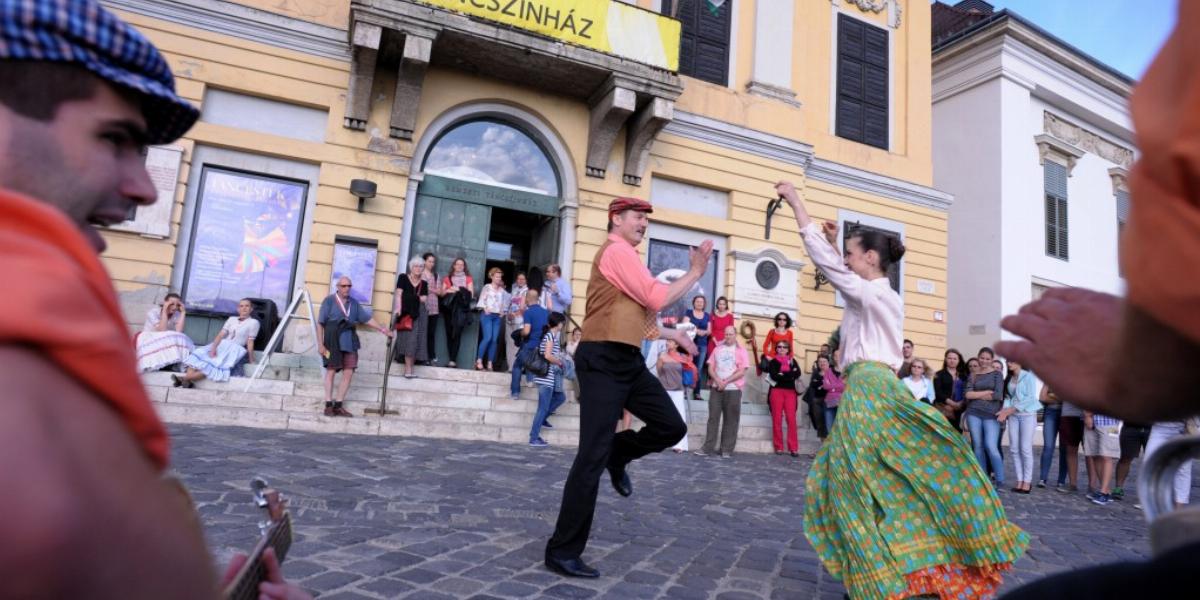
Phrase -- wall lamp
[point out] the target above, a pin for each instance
(362, 189)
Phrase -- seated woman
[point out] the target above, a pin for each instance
(162, 342)
(227, 354)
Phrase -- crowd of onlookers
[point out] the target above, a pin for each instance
(980, 396)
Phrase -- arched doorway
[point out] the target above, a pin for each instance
(490, 192)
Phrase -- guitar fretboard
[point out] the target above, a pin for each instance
(245, 584)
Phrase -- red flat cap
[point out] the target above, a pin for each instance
(623, 204)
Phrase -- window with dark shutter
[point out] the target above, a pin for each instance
(893, 273)
(1055, 176)
(704, 43)
(862, 82)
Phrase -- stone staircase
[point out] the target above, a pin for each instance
(439, 403)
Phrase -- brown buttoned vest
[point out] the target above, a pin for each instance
(611, 315)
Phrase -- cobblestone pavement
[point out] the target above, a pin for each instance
(432, 519)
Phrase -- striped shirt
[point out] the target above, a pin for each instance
(1099, 421)
(551, 338)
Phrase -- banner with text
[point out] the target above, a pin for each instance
(606, 25)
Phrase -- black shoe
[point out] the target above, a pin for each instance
(621, 482)
(571, 567)
(176, 381)
(547, 425)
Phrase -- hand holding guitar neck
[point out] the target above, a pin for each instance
(258, 575)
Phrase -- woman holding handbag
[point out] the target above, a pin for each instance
(549, 383)
(411, 316)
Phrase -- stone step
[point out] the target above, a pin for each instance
(415, 427)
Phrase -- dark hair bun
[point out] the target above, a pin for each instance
(895, 249)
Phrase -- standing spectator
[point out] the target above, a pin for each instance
(984, 395)
(550, 385)
(493, 299)
(338, 341)
(834, 386)
(536, 317)
(460, 288)
(726, 372)
(1101, 449)
(162, 343)
(671, 369)
(1161, 433)
(1020, 407)
(949, 385)
(226, 356)
(1134, 437)
(906, 366)
(918, 381)
(412, 296)
(702, 321)
(814, 397)
(556, 291)
(432, 300)
(782, 373)
(1051, 416)
(972, 366)
(1070, 435)
(781, 332)
(721, 320)
(514, 318)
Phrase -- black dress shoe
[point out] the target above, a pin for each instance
(621, 482)
(571, 567)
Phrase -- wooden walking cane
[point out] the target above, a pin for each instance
(387, 366)
(771, 208)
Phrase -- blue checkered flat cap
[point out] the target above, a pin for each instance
(82, 32)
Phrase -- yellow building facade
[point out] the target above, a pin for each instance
(505, 145)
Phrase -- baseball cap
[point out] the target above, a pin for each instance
(83, 33)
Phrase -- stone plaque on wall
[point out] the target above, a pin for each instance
(765, 282)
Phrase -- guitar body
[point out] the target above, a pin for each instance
(277, 535)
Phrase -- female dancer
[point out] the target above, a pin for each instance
(896, 505)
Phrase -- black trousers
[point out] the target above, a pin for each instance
(612, 378)
(453, 338)
(431, 337)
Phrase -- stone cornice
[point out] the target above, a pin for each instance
(237, 20)
(833, 173)
(1068, 58)
(751, 141)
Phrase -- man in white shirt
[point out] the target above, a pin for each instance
(556, 293)
(726, 370)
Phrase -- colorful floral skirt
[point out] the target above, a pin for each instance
(897, 505)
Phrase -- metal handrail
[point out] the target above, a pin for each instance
(1169, 528)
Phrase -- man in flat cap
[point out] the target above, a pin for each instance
(622, 302)
(86, 512)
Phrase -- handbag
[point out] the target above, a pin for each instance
(537, 364)
(404, 323)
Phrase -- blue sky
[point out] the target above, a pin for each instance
(1124, 34)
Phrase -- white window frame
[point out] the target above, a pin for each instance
(845, 216)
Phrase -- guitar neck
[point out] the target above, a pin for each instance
(245, 584)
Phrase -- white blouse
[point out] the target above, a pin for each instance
(154, 317)
(873, 321)
(240, 331)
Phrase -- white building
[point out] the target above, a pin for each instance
(1033, 138)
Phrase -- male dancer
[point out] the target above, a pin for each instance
(622, 302)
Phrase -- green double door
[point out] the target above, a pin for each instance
(453, 219)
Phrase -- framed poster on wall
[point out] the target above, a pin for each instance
(355, 258)
(668, 261)
(245, 239)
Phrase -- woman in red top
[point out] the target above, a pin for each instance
(781, 333)
(721, 318)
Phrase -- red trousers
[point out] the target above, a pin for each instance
(783, 403)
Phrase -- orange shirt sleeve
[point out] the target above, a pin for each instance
(621, 266)
(88, 338)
